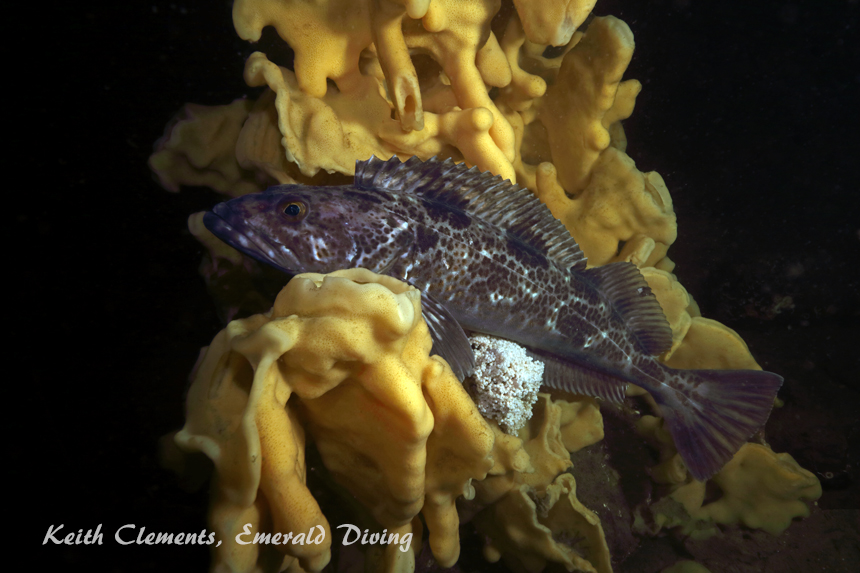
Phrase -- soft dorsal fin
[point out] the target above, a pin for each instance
(631, 296)
(481, 194)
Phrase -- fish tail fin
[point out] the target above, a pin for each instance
(715, 413)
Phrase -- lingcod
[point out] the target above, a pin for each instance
(489, 257)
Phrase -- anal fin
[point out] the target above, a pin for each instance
(576, 379)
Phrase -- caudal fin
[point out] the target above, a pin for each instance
(715, 413)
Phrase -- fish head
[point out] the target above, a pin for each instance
(294, 228)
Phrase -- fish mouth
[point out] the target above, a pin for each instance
(224, 224)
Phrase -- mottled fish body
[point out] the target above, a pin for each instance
(490, 257)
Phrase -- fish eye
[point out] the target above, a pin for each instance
(295, 209)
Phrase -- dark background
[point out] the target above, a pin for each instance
(748, 111)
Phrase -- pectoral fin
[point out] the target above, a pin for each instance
(449, 340)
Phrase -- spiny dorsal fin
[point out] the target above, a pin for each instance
(625, 286)
(481, 194)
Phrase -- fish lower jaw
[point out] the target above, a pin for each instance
(249, 243)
